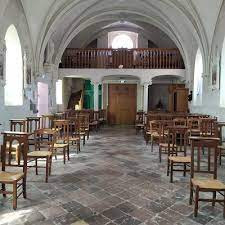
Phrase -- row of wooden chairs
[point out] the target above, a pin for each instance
(175, 138)
(47, 142)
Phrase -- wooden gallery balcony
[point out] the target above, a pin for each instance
(147, 58)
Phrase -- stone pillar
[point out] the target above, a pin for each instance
(96, 95)
(145, 95)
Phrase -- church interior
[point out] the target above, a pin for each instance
(112, 112)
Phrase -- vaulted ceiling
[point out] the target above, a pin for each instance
(188, 23)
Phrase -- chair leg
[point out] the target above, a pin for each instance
(168, 167)
(84, 139)
(191, 194)
(3, 189)
(196, 201)
(214, 199)
(160, 155)
(151, 144)
(224, 205)
(47, 169)
(24, 188)
(171, 172)
(68, 152)
(50, 165)
(185, 168)
(14, 195)
(18, 156)
(64, 155)
(36, 166)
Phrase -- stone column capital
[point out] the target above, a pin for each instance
(96, 82)
(146, 83)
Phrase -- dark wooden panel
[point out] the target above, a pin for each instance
(122, 103)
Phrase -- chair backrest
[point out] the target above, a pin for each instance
(155, 126)
(193, 123)
(20, 139)
(180, 122)
(45, 138)
(103, 114)
(18, 125)
(47, 121)
(62, 126)
(140, 117)
(208, 127)
(177, 140)
(33, 123)
(96, 115)
(204, 163)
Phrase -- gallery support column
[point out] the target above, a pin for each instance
(145, 96)
(96, 95)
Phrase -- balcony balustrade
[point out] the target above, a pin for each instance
(139, 58)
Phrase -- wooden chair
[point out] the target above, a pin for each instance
(43, 149)
(62, 139)
(149, 117)
(205, 165)
(103, 116)
(194, 126)
(33, 123)
(208, 127)
(139, 123)
(16, 179)
(163, 137)
(155, 127)
(74, 132)
(94, 121)
(177, 151)
(47, 121)
(221, 147)
(180, 122)
(16, 125)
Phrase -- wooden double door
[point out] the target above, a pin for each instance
(122, 104)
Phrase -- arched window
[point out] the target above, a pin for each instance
(222, 86)
(198, 79)
(14, 68)
(59, 96)
(122, 41)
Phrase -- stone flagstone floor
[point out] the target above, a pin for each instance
(115, 180)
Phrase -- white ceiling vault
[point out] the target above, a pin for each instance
(188, 23)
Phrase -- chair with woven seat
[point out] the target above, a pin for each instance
(16, 179)
(33, 123)
(180, 122)
(155, 127)
(202, 165)
(139, 123)
(193, 126)
(62, 139)
(177, 151)
(163, 135)
(74, 132)
(16, 125)
(47, 121)
(102, 116)
(208, 127)
(43, 149)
